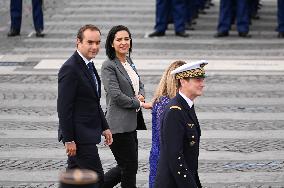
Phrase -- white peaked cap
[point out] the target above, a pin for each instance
(190, 66)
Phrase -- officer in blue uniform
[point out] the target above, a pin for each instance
(227, 10)
(280, 16)
(16, 17)
(180, 131)
(177, 8)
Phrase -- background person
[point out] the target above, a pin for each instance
(280, 16)
(16, 17)
(229, 11)
(165, 8)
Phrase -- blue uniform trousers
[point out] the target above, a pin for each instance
(226, 14)
(201, 4)
(176, 8)
(280, 15)
(191, 10)
(16, 14)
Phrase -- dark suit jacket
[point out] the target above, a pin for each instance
(180, 134)
(81, 118)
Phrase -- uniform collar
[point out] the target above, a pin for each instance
(188, 100)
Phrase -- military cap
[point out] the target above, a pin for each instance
(78, 177)
(190, 70)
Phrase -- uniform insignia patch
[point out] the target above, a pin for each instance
(190, 125)
(192, 143)
(175, 107)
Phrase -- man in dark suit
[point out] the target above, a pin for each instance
(16, 17)
(81, 119)
(180, 131)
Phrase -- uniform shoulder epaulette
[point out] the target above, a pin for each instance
(175, 107)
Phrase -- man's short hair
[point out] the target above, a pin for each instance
(84, 28)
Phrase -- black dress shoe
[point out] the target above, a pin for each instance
(13, 33)
(244, 35)
(193, 22)
(156, 34)
(280, 35)
(255, 17)
(188, 26)
(221, 34)
(202, 11)
(39, 33)
(182, 34)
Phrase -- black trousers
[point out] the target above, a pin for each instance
(125, 151)
(87, 157)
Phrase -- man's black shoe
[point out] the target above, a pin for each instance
(182, 34)
(39, 33)
(244, 35)
(221, 34)
(156, 34)
(13, 33)
(280, 35)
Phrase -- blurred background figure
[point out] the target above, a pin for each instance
(78, 178)
(16, 17)
(280, 16)
(165, 8)
(254, 6)
(231, 10)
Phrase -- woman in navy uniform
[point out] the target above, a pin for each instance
(180, 131)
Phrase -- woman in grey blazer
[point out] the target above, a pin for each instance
(124, 98)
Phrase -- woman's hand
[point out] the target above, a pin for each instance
(108, 137)
(141, 98)
(147, 105)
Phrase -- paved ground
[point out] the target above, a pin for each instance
(241, 112)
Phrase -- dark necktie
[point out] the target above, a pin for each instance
(193, 114)
(91, 68)
(192, 111)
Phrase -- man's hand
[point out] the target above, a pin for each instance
(70, 148)
(108, 137)
(141, 98)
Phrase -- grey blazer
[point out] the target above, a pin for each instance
(121, 102)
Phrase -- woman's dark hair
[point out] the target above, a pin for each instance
(110, 52)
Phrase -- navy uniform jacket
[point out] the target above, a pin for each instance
(81, 118)
(180, 134)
